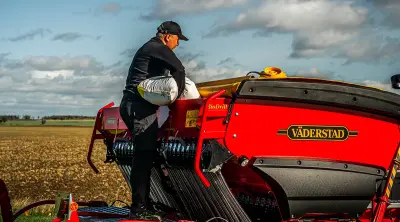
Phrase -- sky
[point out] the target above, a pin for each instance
(72, 57)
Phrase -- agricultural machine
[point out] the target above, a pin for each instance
(263, 148)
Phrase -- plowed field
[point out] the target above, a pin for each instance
(38, 162)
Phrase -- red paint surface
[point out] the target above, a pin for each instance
(112, 119)
(258, 122)
(256, 127)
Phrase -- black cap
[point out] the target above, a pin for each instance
(170, 27)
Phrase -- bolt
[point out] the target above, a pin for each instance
(378, 171)
(234, 135)
(261, 161)
(236, 114)
(345, 166)
(244, 162)
(299, 162)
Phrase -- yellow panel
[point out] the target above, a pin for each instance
(206, 89)
(116, 131)
(191, 118)
(209, 90)
(222, 82)
(273, 73)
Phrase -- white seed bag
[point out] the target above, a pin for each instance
(190, 91)
(163, 90)
(160, 90)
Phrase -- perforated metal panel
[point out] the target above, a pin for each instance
(95, 219)
(108, 210)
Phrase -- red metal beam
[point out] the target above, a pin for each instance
(97, 126)
(202, 137)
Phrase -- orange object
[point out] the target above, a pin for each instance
(73, 207)
(273, 72)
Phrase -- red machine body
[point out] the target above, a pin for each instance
(313, 150)
(343, 145)
(340, 142)
(262, 121)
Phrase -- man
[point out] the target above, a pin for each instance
(154, 58)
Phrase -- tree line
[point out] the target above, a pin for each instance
(5, 118)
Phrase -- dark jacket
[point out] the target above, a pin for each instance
(154, 59)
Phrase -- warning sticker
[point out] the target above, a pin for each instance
(191, 118)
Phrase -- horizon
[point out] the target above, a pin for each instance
(72, 58)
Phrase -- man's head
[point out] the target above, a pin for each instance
(170, 33)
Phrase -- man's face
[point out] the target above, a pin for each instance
(172, 41)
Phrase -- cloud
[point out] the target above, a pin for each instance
(129, 52)
(60, 85)
(314, 73)
(53, 63)
(320, 28)
(198, 71)
(112, 8)
(370, 50)
(41, 32)
(30, 35)
(72, 36)
(226, 61)
(384, 86)
(391, 12)
(188, 56)
(109, 8)
(47, 85)
(7, 64)
(168, 9)
(3, 56)
(230, 62)
(67, 37)
(288, 16)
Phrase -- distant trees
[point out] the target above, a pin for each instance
(68, 117)
(5, 118)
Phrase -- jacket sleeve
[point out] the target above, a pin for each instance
(174, 65)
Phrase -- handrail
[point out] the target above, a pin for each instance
(382, 202)
(95, 127)
(201, 138)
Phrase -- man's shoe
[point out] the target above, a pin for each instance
(146, 215)
(149, 216)
(142, 213)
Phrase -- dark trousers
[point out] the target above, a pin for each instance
(141, 120)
